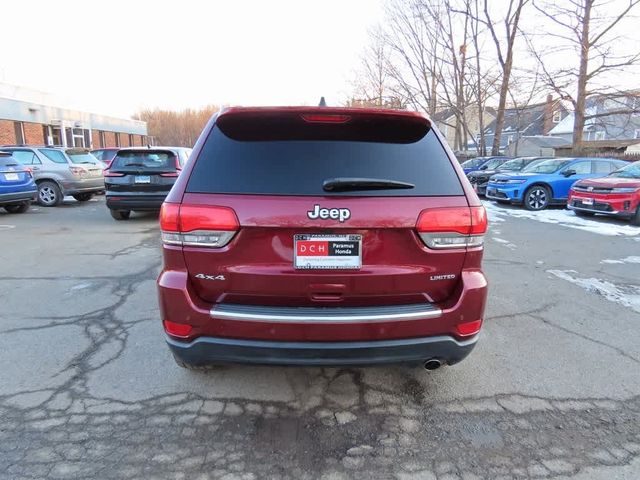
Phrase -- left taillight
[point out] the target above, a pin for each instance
(197, 225)
(108, 173)
(452, 227)
(176, 173)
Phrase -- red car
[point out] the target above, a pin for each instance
(616, 195)
(106, 155)
(322, 236)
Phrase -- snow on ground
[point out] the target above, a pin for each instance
(504, 242)
(627, 295)
(622, 260)
(599, 224)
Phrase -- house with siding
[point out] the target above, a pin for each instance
(447, 121)
(612, 118)
(530, 121)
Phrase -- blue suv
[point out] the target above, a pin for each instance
(549, 182)
(17, 188)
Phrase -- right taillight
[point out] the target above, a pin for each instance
(452, 227)
(197, 225)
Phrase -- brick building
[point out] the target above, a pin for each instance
(27, 117)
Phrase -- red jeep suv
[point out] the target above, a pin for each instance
(321, 236)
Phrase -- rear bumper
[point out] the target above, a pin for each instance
(134, 202)
(320, 336)
(18, 197)
(204, 350)
(88, 185)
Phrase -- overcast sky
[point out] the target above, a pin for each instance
(117, 56)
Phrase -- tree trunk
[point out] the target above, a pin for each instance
(581, 97)
(506, 74)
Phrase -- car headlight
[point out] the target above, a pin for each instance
(625, 190)
(515, 182)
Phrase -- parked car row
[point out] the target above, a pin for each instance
(586, 185)
(137, 178)
(54, 173)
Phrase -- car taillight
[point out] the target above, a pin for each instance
(325, 118)
(469, 328)
(177, 329)
(28, 171)
(197, 225)
(452, 227)
(108, 173)
(173, 174)
(79, 171)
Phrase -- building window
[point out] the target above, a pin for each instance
(132, 142)
(103, 140)
(599, 135)
(117, 136)
(143, 140)
(19, 129)
(557, 116)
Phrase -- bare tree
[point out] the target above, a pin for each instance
(372, 84)
(504, 52)
(588, 28)
(176, 128)
(413, 41)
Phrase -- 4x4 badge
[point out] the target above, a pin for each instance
(202, 276)
(340, 214)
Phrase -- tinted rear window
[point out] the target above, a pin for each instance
(148, 160)
(8, 161)
(85, 158)
(250, 163)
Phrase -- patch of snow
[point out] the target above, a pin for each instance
(566, 218)
(631, 259)
(628, 295)
(504, 242)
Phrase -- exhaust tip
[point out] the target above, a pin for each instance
(432, 364)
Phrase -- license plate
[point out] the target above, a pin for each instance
(142, 179)
(11, 176)
(587, 201)
(314, 252)
(491, 191)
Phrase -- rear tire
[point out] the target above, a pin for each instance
(49, 194)
(582, 213)
(83, 197)
(635, 220)
(120, 214)
(23, 207)
(536, 198)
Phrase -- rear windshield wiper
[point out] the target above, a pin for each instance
(343, 184)
(134, 164)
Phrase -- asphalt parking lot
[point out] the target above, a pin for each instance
(88, 388)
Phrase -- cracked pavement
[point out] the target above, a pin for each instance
(89, 390)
